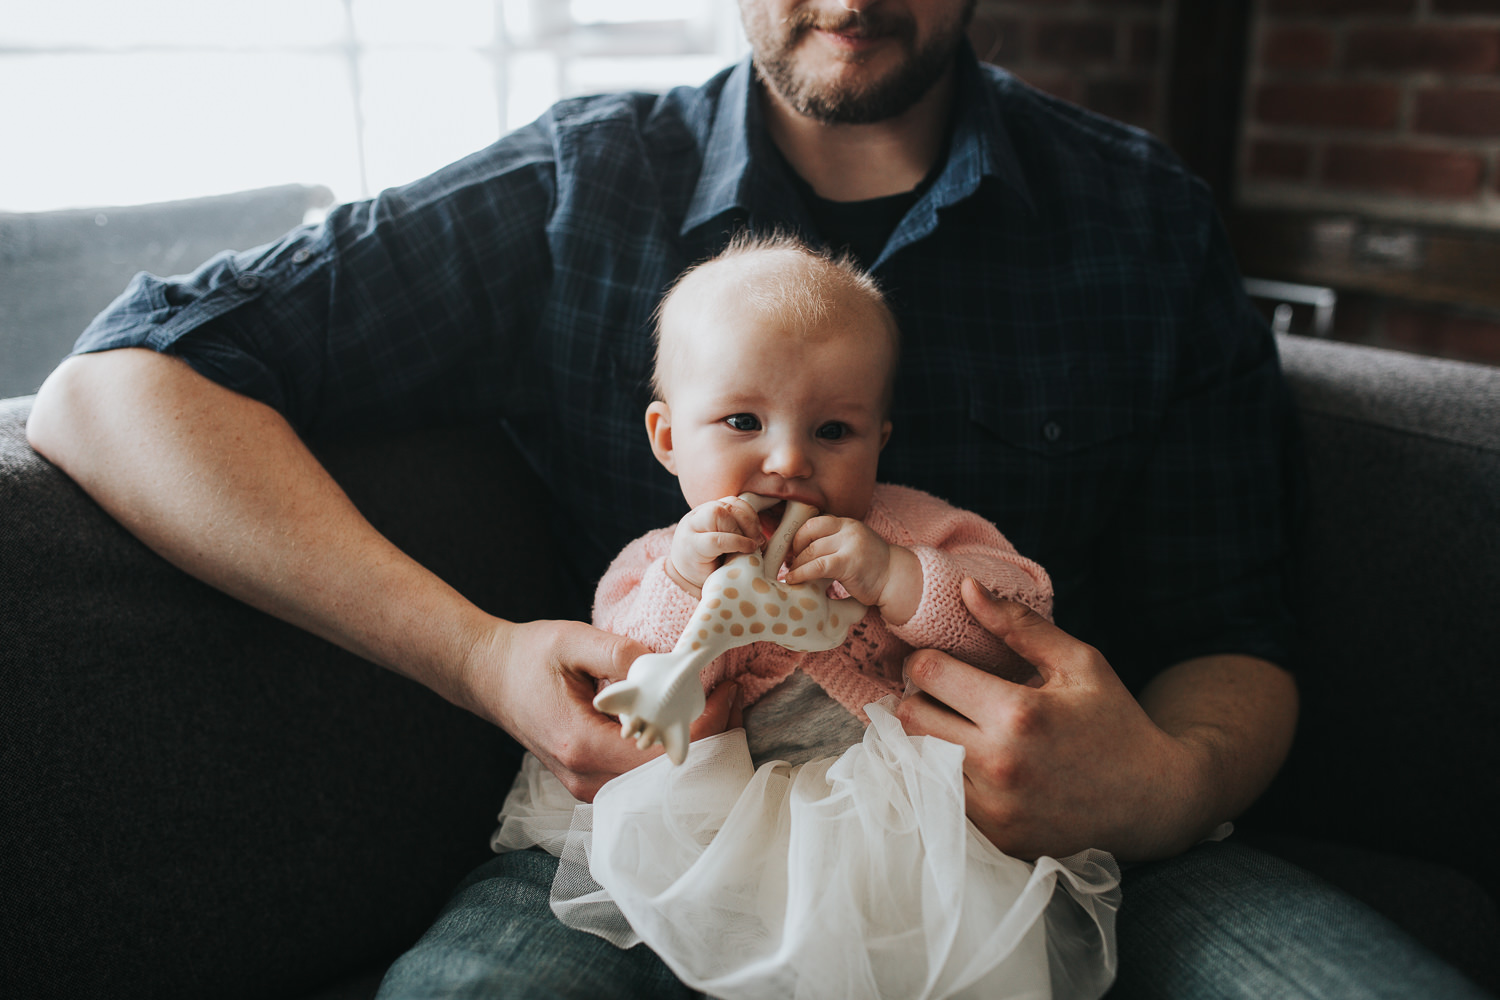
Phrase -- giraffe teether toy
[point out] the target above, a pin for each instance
(742, 602)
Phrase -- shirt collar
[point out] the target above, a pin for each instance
(741, 169)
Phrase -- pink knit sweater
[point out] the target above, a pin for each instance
(636, 598)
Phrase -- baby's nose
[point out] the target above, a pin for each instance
(789, 460)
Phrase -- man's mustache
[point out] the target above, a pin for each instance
(855, 23)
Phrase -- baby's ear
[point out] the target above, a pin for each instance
(885, 434)
(659, 430)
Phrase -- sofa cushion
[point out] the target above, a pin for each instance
(1396, 586)
(201, 801)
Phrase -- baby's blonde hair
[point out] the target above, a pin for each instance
(800, 297)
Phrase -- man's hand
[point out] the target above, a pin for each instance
(223, 487)
(1077, 762)
(537, 680)
(705, 535)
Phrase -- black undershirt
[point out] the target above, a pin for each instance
(861, 228)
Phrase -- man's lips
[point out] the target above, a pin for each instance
(851, 41)
(854, 32)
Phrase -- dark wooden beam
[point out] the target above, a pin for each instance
(1205, 88)
(1415, 262)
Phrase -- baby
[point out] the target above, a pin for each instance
(843, 866)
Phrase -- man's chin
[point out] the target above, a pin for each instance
(856, 90)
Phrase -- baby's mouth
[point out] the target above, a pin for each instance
(770, 518)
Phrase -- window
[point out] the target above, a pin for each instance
(121, 102)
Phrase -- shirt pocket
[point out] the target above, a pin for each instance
(1056, 418)
(1066, 449)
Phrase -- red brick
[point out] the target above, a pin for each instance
(1304, 8)
(1274, 160)
(1300, 48)
(1328, 105)
(1397, 170)
(1471, 112)
(1075, 42)
(1413, 48)
(1469, 338)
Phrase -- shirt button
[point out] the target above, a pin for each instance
(248, 282)
(1052, 431)
(301, 256)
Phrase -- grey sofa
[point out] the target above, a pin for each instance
(198, 801)
(59, 269)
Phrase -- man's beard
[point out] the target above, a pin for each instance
(838, 104)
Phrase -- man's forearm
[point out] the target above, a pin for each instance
(221, 486)
(1238, 715)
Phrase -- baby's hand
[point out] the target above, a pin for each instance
(872, 570)
(709, 532)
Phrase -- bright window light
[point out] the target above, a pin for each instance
(122, 102)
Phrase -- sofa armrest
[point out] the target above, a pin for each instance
(1397, 589)
(202, 801)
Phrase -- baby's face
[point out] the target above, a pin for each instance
(753, 408)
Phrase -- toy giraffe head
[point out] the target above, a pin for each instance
(743, 602)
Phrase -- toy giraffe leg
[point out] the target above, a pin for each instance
(743, 602)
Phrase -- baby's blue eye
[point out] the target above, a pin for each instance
(832, 431)
(743, 422)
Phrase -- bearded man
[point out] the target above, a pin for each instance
(1079, 365)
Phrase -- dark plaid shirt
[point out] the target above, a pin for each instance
(1079, 363)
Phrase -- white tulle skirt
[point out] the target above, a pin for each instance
(855, 876)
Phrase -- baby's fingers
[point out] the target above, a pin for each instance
(712, 544)
(818, 528)
(727, 515)
(818, 560)
(746, 520)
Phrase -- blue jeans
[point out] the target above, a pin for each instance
(1223, 920)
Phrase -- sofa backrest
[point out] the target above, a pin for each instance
(60, 269)
(1397, 588)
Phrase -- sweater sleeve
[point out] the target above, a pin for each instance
(636, 598)
(951, 544)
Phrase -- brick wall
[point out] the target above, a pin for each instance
(1384, 112)
(1108, 55)
(1390, 108)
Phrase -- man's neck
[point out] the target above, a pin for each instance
(859, 162)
